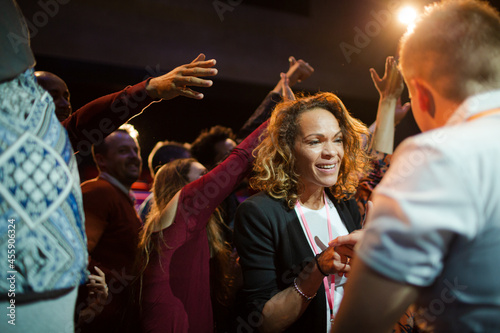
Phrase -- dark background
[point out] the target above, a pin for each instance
(99, 47)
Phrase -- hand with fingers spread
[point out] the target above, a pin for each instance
(390, 111)
(178, 81)
(392, 84)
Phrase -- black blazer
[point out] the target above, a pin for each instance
(273, 250)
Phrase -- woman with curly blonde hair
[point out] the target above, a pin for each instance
(307, 169)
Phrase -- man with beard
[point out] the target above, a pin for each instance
(112, 227)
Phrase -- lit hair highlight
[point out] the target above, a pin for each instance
(455, 47)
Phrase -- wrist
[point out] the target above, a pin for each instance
(151, 88)
(301, 293)
(316, 259)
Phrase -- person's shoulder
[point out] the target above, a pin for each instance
(449, 142)
(96, 186)
(261, 198)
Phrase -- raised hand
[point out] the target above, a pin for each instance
(177, 82)
(298, 71)
(392, 84)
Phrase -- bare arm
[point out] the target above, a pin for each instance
(389, 111)
(372, 302)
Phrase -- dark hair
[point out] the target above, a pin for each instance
(165, 152)
(203, 148)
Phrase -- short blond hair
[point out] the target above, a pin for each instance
(455, 47)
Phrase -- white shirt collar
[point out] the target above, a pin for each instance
(106, 176)
(474, 105)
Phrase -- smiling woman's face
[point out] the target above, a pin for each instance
(319, 149)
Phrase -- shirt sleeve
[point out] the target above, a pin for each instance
(421, 205)
(260, 115)
(95, 120)
(199, 199)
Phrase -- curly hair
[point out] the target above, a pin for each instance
(274, 167)
(203, 148)
(164, 152)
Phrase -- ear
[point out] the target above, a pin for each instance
(424, 97)
(100, 160)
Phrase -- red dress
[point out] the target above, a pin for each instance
(176, 286)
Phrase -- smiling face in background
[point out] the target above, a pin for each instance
(318, 149)
(122, 159)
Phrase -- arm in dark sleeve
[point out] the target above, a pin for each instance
(260, 115)
(95, 120)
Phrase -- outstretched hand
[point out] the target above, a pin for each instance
(177, 82)
(392, 84)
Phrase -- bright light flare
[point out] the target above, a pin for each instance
(407, 15)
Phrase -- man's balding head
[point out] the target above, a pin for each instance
(58, 89)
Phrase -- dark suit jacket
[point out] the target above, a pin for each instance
(273, 251)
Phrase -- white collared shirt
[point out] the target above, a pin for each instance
(436, 219)
(116, 182)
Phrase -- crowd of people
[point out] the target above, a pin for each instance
(304, 220)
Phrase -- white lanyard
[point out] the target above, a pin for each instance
(329, 289)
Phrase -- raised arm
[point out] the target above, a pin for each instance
(196, 201)
(389, 113)
(95, 120)
(389, 110)
(298, 71)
